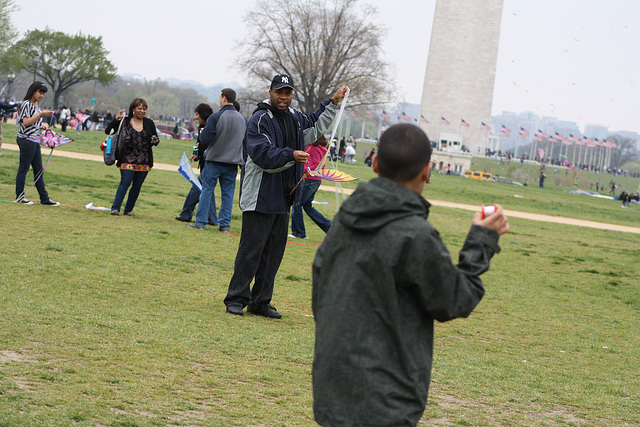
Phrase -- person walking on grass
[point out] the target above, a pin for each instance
(135, 153)
(380, 279)
(30, 119)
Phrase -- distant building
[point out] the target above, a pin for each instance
(596, 131)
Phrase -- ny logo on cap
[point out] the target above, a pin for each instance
(285, 79)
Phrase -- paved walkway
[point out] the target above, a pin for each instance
(514, 214)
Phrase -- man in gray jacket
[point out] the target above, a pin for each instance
(223, 135)
(380, 278)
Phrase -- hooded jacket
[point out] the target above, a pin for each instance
(380, 278)
(263, 187)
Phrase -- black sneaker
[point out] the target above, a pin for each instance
(265, 310)
(50, 202)
(183, 219)
(235, 309)
(24, 201)
(196, 226)
(224, 229)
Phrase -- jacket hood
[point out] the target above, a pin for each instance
(266, 105)
(379, 202)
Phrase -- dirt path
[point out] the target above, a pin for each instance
(514, 214)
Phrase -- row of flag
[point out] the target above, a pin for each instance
(404, 117)
(504, 131)
(557, 137)
(573, 139)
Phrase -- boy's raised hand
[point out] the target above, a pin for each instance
(497, 221)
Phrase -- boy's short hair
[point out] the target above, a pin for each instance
(403, 152)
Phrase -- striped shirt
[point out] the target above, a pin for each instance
(28, 109)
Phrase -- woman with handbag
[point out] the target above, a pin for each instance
(135, 155)
(30, 120)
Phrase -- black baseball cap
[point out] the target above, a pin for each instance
(280, 81)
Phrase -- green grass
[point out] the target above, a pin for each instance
(119, 321)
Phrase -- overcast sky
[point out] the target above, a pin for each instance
(573, 59)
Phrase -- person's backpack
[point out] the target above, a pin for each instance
(111, 146)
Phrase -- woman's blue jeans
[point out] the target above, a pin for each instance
(128, 178)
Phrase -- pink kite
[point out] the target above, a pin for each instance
(49, 139)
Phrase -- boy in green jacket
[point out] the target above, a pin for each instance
(380, 278)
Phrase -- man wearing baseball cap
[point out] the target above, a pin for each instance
(274, 159)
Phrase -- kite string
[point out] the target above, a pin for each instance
(24, 193)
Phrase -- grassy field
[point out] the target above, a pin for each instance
(119, 321)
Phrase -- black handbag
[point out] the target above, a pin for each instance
(112, 145)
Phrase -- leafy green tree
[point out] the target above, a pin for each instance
(322, 45)
(163, 102)
(61, 60)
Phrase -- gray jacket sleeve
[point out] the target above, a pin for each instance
(322, 125)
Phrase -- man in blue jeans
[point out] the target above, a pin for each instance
(223, 133)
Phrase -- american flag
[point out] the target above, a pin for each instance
(406, 117)
(543, 134)
(423, 119)
(505, 131)
(385, 116)
(399, 119)
(444, 121)
(558, 137)
(538, 137)
(523, 133)
(385, 127)
(464, 124)
(483, 125)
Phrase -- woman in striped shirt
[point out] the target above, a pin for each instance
(30, 119)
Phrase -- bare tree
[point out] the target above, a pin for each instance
(7, 31)
(626, 152)
(322, 45)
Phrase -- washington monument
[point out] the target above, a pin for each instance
(461, 70)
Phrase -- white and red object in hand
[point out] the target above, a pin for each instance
(487, 211)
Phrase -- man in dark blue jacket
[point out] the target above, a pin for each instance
(274, 159)
(4, 110)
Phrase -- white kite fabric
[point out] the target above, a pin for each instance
(187, 171)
